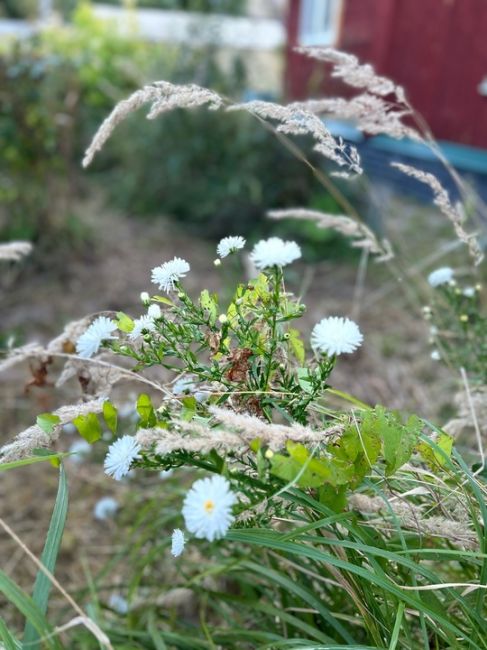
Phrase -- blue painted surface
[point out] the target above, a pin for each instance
(378, 152)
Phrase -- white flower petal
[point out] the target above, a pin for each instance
(169, 273)
(145, 322)
(336, 335)
(90, 341)
(177, 542)
(105, 507)
(207, 508)
(274, 252)
(441, 276)
(120, 456)
(230, 245)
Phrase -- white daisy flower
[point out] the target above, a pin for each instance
(274, 252)
(169, 273)
(120, 456)
(207, 508)
(154, 311)
(118, 603)
(229, 245)
(90, 341)
(105, 508)
(80, 449)
(177, 542)
(184, 385)
(145, 322)
(336, 335)
(469, 292)
(441, 276)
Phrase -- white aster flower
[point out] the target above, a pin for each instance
(441, 276)
(105, 507)
(274, 252)
(145, 322)
(169, 273)
(177, 542)
(118, 603)
(184, 385)
(154, 311)
(336, 335)
(229, 245)
(100, 330)
(120, 456)
(207, 508)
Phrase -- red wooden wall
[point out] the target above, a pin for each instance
(436, 49)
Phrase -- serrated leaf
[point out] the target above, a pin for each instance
(124, 322)
(110, 415)
(88, 427)
(48, 421)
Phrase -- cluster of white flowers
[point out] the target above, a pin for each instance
(169, 273)
(121, 454)
(274, 252)
(336, 335)
(100, 330)
(230, 245)
(441, 276)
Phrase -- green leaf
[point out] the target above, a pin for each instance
(146, 411)
(163, 300)
(42, 585)
(30, 461)
(435, 457)
(209, 302)
(48, 421)
(110, 414)
(88, 427)
(189, 408)
(305, 379)
(297, 345)
(124, 322)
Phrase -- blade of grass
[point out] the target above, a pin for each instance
(29, 609)
(8, 640)
(42, 585)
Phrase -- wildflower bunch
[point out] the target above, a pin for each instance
(458, 324)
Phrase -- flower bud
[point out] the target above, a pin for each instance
(144, 297)
(222, 318)
(269, 454)
(217, 262)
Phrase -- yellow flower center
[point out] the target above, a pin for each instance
(209, 506)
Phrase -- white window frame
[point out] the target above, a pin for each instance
(319, 22)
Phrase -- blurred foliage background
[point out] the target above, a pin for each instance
(215, 173)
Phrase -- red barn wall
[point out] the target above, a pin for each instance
(436, 49)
